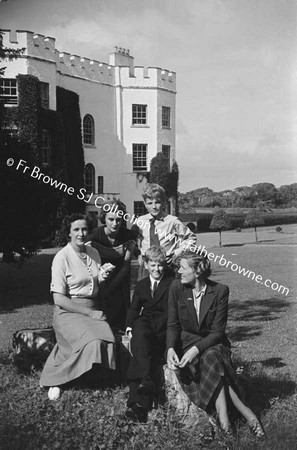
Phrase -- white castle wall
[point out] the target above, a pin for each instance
(107, 92)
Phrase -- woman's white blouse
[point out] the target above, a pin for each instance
(72, 277)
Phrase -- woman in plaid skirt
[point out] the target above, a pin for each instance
(197, 346)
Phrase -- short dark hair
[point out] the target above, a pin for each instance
(155, 253)
(198, 261)
(68, 220)
(106, 208)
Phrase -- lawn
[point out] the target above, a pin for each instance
(262, 328)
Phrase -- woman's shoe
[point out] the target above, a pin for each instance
(54, 393)
(228, 432)
(257, 429)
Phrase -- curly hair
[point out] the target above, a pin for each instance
(198, 261)
(68, 220)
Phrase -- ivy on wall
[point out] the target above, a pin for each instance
(68, 106)
(34, 208)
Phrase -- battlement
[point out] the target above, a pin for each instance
(148, 77)
(77, 66)
(43, 48)
(35, 45)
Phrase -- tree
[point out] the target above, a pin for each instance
(254, 219)
(220, 222)
(161, 174)
(267, 193)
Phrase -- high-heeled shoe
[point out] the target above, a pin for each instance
(257, 429)
(228, 432)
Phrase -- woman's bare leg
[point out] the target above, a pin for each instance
(243, 409)
(221, 408)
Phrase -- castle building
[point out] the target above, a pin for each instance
(127, 113)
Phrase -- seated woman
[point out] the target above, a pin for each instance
(197, 346)
(115, 244)
(82, 333)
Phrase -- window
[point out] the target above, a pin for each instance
(89, 130)
(46, 148)
(139, 157)
(139, 209)
(89, 174)
(139, 114)
(44, 94)
(100, 184)
(93, 215)
(8, 91)
(166, 151)
(11, 130)
(165, 117)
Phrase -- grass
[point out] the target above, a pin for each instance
(262, 327)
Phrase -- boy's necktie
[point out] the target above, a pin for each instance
(155, 286)
(154, 238)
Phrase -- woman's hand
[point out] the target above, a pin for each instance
(130, 245)
(189, 356)
(99, 315)
(172, 359)
(104, 271)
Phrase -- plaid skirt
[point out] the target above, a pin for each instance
(202, 379)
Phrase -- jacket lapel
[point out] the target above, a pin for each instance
(162, 287)
(206, 302)
(188, 299)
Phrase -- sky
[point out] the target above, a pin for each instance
(236, 65)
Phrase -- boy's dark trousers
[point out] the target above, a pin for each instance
(147, 316)
(145, 346)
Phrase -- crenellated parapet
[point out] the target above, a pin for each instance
(77, 66)
(43, 48)
(36, 45)
(148, 78)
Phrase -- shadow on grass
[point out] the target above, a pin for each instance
(28, 285)
(252, 314)
(261, 388)
(233, 245)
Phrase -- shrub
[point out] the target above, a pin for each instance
(279, 229)
(238, 230)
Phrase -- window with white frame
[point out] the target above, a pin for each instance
(88, 130)
(100, 183)
(89, 175)
(139, 157)
(139, 209)
(46, 148)
(44, 94)
(139, 114)
(165, 117)
(8, 91)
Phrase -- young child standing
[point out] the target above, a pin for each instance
(159, 228)
(146, 323)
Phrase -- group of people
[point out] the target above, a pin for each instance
(179, 314)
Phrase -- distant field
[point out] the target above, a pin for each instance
(203, 216)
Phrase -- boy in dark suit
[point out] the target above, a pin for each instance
(146, 324)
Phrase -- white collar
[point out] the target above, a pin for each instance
(152, 280)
